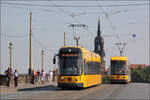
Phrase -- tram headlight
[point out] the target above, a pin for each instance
(62, 78)
(76, 79)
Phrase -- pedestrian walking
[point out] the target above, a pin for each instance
(38, 75)
(35, 75)
(16, 75)
(43, 76)
(50, 75)
(8, 73)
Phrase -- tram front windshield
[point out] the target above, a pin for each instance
(118, 67)
(69, 65)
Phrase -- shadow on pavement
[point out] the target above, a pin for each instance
(76, 88)
(41, 88)
(53, 88)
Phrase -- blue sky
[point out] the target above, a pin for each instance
(50, 23)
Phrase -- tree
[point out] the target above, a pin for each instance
(148, 74)
(140, 75)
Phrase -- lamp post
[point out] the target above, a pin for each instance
(30, 47)
(10, 48)
(42, 53)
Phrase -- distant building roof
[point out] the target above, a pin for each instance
(135, 66)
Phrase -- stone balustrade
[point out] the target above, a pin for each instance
(23, 79)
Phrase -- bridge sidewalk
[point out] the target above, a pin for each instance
(11, 89)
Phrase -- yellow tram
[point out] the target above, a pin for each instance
(119, 70)
(78, 67)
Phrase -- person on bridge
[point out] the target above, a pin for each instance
(16, 75)
(38, 75)
(8, 73)
(35, 76)
(50, 75)
(43, 76)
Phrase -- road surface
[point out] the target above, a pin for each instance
(132, 91)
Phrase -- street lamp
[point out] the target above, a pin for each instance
(10, 48)
(42, 53)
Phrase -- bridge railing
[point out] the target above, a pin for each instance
(22, 80)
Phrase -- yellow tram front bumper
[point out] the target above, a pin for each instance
(70, 81)
(79, 81)
(117, 81)
(118, 78)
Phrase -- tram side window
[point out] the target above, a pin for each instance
(92, 68)
(80, 63)
(85, 67)
(98, 68)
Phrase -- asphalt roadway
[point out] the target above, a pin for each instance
(131, 91)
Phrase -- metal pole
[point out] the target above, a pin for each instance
(42, 62)
(64, 39)
(10, 58)
(55, 68)
(74, 34)
(55, 73)
(42, 53)
(10, 48)
(30, 49)
(77, 42)
(121, 53)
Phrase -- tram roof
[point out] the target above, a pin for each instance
(83, 49)
(80, 47)
(119, 58)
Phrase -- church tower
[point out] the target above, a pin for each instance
(99, 46)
